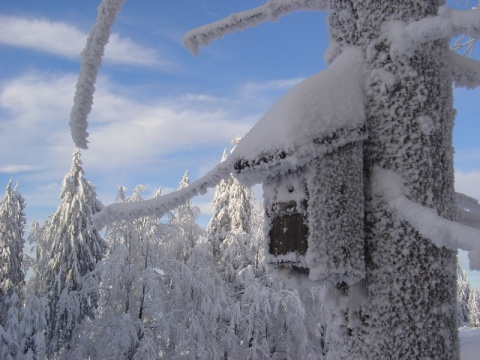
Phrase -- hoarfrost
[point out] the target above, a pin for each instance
(406, 38)
(271, 11)
(319, 106)
(91, 60)
(440, 231)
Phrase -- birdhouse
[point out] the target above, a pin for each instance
(307, 150)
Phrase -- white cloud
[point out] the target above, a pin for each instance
(16, 168)
(468, 183)
(126, 135)
(67, 41)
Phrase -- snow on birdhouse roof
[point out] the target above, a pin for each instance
(323, 112)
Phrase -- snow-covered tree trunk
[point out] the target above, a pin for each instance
(411, 308)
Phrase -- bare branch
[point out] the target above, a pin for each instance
(271, 11)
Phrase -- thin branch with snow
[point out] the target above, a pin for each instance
(466, 71)
(270, 11)
(159, 206)
(406, 38)
(91, 60)
(426, 221)
(468, 210)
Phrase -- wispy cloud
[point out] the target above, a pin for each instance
(16, 168)
(65, 40)
(124, 132)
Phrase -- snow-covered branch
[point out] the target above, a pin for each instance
(406, 38)
(271, 11)
(426, 221)
(91, 60)
(466, 71)
(159, 206)
(468, 210)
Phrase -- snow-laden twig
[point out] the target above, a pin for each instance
(159, 206)
(271, 11)
(406, 38)
(468, 210)
(426, 221)
(91, 60)
(466, 71)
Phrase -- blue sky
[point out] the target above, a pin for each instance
(158, 110)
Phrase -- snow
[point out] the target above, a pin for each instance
(440, 231)
(271, 11)
(91, 60)
(469, 343)
(318, 107)
(406, 38)
(321, 106)
(159, 206)
(466, 71)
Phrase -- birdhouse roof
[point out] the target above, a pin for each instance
(323, 112)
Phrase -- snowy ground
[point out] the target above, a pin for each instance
(469, 343)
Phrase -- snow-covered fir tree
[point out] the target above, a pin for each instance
(32, 327)
(220, 223)
(407, 71)
(76, 248)
(9, 348)
(185, 218)
(12, 228)
(383, 148)
(463, 294)
(474, 308)
(42, 245)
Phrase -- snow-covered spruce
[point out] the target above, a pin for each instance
(12, 228)
(91, 60)
(463, 294)
(75, 250)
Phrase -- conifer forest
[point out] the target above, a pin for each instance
(350, 252)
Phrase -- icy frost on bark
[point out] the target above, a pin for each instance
(335, 217)
(271, 11)
(409, 120)
(91, 60)
(440, 231)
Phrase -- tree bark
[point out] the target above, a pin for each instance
(410, 285)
